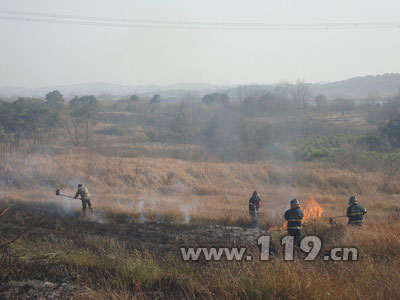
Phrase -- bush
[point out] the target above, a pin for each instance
(113, 131)
(216, 98)
(324, 147)
(372, 141)
(310, 153)
(391, 132)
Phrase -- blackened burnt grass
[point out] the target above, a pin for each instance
(134, 259)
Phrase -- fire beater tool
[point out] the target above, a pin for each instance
(332, 220)
(59, 194)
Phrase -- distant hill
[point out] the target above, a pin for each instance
(99, 88)
(357, 87)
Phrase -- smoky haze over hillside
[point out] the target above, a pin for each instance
(357, 87)
(132, 132)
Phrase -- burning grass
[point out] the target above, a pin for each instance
(129, 191)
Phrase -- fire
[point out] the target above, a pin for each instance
(312, 210)
(277, 227)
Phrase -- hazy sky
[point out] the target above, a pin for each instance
(41, 54)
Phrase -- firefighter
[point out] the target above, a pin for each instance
(254, 207)
(355, 212)
(85, 197)
(294, 217)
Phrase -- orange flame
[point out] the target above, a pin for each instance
(277, 227)
(311, 209)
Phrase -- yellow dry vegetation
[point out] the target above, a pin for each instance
(179, 191)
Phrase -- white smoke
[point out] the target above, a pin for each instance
(73, 183)
(99, 218)
(186, 211)
(140, 209)
(69, 205)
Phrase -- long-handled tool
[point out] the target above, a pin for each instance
(4, 212)
(332, 220)
(59, 194)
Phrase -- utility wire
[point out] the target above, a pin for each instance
(164, 22)
(63, 16)
(68, 22)
(186, 25)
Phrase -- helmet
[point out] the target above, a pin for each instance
(255, 193)
(79, 185)
(294, 202)
(353, 199)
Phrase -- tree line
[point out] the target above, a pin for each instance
(32, 121)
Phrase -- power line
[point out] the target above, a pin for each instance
(202, 23)
(186, 25)
(55, 21)
(104, 19)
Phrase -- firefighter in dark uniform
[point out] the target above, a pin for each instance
(254, 207)
(355, 212)
(294, 217)
(83, 192)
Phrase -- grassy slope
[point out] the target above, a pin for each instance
(167, 190)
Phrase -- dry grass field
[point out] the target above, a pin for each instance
(146, 207)
(172, 132)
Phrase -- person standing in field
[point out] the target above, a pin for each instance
(294, 217)
(355, 212)
(83, 192)
(254, 207)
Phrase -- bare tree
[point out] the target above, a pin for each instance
(283, 89)
(301, 93)
(242, 92)
(184, 124)
(82, 111)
